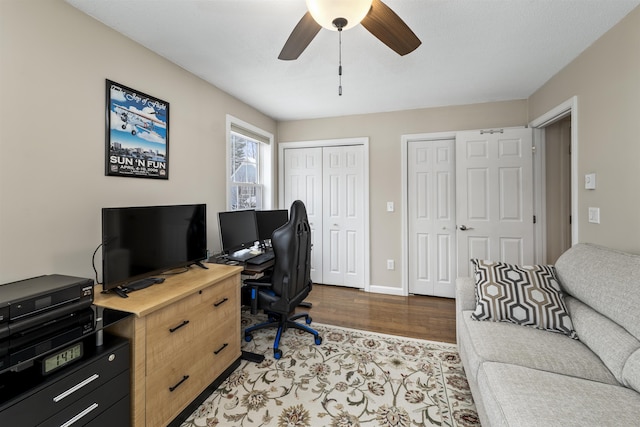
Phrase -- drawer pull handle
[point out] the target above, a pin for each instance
(184, 323)
(186, 377)
(75, 388)
(78, 416)
(221, 302)
(221, 348)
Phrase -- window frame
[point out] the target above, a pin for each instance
(266, 146)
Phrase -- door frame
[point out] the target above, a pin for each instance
(437, 136)
(567, 108)
(364, 141)
(405, 140)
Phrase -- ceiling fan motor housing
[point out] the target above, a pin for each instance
(340, 23)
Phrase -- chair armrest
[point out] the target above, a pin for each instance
(465, 294)
(255, 284)
(263, 282)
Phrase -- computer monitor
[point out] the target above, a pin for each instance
(238, 229)
(269, 221)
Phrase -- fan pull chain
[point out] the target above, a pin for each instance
(339, 61)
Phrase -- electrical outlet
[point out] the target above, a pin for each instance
(594, 215)
(391, 265)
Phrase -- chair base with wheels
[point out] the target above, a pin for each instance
(283, 323)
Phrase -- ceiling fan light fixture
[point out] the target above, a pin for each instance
(326, 11)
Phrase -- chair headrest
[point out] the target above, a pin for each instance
(298, 212)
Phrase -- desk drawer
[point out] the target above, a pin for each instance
(174, 387)
(184, 365)
(187, 326)
(117, 415)
(92, 405)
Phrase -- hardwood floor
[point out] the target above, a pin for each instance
(416, 316)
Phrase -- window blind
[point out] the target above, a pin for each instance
(249, 134)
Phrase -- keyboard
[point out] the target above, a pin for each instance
(241, 255)
(262, 258)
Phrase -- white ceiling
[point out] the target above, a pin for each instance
(472, 50)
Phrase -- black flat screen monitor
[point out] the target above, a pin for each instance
(238, 229)
(139, 242)
(269, 221)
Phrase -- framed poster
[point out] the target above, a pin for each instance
(137, 134)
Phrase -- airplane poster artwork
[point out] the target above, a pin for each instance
(137, 134)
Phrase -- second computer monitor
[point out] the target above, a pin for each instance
(269, 221)
(238, 229)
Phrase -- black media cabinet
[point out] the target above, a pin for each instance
(93, 391)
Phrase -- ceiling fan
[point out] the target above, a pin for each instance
(340, 15)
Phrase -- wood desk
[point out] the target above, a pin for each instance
(185, 334)
(253, 269)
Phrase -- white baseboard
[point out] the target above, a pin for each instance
(386, 290)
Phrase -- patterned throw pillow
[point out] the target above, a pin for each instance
(525, 295)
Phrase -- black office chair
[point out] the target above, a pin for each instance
(290, 282)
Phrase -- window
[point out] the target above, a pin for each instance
(244, 186)
(249, 166)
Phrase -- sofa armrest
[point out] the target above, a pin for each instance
(465, 294)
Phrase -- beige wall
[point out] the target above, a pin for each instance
(385, 131)
(54, 62)
(606, 81)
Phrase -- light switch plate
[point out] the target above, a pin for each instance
(390, 207)
(594, 215)
(590, 181)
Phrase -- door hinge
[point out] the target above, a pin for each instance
(533, 149)
(534, 219)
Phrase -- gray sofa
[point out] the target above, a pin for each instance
(522, 376)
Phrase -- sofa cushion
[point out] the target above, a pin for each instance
(610, 341)
(525, 295)
(604, 279)
(631, 371)
(508, 343)
(518, 396)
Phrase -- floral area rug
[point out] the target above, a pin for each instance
(354, 378)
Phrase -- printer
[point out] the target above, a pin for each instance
(43, 312)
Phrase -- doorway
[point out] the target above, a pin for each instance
(466, 195)
(554, 128)
(331, 178)
(557, 171)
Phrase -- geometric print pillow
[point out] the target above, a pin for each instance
(525, 295)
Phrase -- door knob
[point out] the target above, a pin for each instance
(464, 227)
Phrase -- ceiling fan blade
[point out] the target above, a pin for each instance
(300, 38)
(387, 26)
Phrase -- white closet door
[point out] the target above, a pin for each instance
(343, 219)
(494, 202)
(432, 217)
(303, 181)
